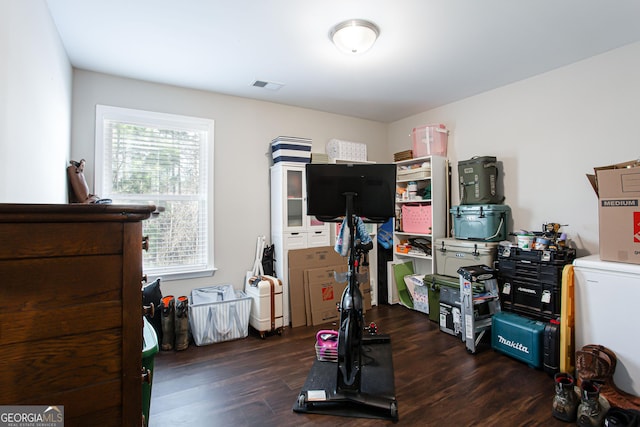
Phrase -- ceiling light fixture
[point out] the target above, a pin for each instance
(354, 36)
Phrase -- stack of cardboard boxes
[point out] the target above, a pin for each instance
(314, 291)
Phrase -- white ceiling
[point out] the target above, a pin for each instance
(430, 52)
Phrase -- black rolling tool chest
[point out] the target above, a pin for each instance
(530, 281)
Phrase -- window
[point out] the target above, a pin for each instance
(144, 157)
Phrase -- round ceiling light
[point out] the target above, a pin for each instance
(354, 36)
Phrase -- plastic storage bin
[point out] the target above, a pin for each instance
(291, 149)
(419, 292)
(430, 140)
(149, 351)
(416, 218)
(346, 150)
(218, 313)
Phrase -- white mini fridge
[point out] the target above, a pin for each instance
(607, 312)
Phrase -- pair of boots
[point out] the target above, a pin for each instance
(586, 407)
(598, 363)
(175, 323)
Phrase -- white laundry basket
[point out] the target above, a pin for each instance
(218, 313)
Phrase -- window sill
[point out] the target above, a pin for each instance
(167, 277)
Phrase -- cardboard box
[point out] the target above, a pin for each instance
(618, 189)
(299, 261)
(365, 288)
(592, 177)
(323, 294)
(451, 319)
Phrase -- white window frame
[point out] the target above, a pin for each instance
(171, 121)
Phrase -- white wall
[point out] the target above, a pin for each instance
(35, 105)
(243, 131)
(548, 131)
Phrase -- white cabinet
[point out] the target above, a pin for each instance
(289, 201)
(421, 209)
(291, 228)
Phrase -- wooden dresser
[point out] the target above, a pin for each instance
(70, 310)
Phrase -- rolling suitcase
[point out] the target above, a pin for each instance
(266, 306)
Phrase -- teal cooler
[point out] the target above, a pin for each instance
(483, 223)
(518, 337)
(149, 350)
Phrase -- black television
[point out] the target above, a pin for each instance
(373, 187)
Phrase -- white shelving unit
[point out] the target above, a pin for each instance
(433, 174)
(291, 228)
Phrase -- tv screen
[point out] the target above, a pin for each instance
(373, 187)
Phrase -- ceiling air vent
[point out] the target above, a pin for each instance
(267, 85)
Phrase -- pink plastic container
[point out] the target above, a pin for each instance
(430, 140)
(416, 218)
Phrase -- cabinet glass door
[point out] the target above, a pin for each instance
(295, 200)
(314, 223)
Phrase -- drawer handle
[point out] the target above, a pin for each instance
(145, 243)
(146, 375)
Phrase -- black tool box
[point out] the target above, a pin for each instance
(556, 257)
(530, 281)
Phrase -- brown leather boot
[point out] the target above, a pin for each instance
(598, 363)
(79, 190)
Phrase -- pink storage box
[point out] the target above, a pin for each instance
(430, 140)
(416, 219)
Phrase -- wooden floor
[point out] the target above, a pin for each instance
(254, 382)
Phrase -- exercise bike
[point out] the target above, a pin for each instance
(363, 381)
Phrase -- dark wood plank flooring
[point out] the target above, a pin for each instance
(255, 382)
